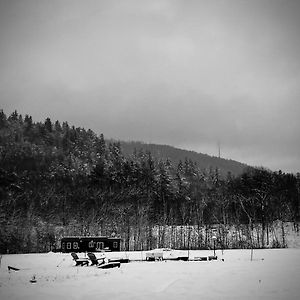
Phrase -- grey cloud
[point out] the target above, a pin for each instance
(185, 73)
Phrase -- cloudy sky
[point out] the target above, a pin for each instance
(190, 74)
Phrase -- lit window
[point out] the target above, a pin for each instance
(100, 245)
(63, 245)
(69, 245)
(91, 244)
(115, 244)
(75, 245)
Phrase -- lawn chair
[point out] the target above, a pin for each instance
(100, 262)
(95, 260)
(80, 261)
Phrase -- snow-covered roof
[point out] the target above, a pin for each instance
(90, 237)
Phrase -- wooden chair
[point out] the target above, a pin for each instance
(95, 260)
(80, 261)
(100, 262)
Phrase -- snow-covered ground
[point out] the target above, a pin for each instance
(272, 274)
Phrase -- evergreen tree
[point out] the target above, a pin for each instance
(48, 125)
(3, 119)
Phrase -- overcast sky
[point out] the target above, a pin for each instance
(183, 73)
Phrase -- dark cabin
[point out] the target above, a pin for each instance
(90, 244)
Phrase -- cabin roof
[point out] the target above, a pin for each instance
(90, 237)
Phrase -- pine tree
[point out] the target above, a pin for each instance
(3, 119)
(48, 125)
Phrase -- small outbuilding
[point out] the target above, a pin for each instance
(90, 244)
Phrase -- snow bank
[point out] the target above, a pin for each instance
(273, 274)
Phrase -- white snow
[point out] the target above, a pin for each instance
(273, 274)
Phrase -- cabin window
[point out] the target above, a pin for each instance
(100, 245)
(69, 245)
(75, 245)
(91, 244)
(115, 245)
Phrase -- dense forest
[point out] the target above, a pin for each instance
(58, 180)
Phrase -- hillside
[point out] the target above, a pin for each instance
(204, 161)
(58, 180)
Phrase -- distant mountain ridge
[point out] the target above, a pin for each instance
(203, 161)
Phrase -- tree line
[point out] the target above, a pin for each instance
(58, 180)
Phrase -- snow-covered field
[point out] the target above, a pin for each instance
(272, 274)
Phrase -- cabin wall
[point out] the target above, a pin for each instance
(89, 245)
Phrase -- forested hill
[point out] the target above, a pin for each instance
(175, 155)
(58, 180)
(60, 137)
